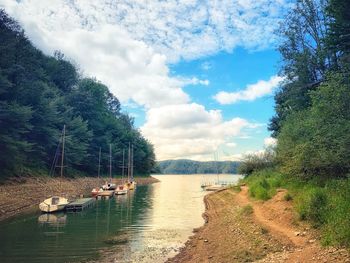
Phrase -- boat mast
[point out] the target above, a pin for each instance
(99, 163)
(123, 165)
(110, 161)
(63, 142)
(129, 163)
(132, 163)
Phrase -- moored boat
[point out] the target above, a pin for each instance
(53, 204)
(56, 203)
(121, 190)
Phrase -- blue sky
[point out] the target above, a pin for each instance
(197, 75)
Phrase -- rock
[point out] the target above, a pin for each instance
(297, 233)
(205, 240)
(312, 241)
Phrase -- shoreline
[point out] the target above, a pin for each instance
(238, 229)
(23, 195)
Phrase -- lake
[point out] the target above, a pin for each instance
(147, 225)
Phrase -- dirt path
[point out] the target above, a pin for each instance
(269, 233)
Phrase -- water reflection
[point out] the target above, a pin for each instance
(57, 219)
(143, 226)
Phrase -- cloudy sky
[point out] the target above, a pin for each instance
(197, 76)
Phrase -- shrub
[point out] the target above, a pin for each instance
(337, 230)
(311, 205)
(257, 161)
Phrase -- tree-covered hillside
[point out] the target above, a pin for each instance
(39, 94)
(195, 167)
(312, 121)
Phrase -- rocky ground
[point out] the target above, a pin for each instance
(24, 194)
(239, 229)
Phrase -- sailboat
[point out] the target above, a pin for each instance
(96, 191)
(217, 185)
(130, 184)
(56, 203)
(121, 189)
(109, 186)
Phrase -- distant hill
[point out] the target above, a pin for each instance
(194, 167)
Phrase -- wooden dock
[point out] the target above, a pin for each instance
(80, 204)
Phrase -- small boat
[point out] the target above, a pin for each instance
(96, 191)
(53, 204)
(108, 186)
(106, 193)
(131, 185)
(56, 203)
(121, 190)
(213, 187)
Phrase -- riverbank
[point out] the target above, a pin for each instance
(238, 229)
(24, 194)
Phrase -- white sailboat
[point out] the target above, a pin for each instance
(130, 184)
(109, 186)
(121, 189)
(217, 185)
(56, 203)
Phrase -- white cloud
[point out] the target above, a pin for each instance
(190, 131)
(177, 29)
(129, 44)
(252, 91)
(269, 141)
(206, 65)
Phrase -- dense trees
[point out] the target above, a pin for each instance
(195, 167)
(39, 94)
(313, 104)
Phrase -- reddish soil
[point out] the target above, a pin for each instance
(24, 194)
(239, 229)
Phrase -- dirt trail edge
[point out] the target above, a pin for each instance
(238, 229)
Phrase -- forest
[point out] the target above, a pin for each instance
(312, 120)
(39, 94)
(194, 167)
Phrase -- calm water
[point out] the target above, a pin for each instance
(147, 225)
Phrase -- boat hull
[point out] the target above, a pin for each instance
(130, 185)
(53, 204)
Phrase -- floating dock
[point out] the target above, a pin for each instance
(80, 204)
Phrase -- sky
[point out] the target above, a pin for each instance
(197, 76)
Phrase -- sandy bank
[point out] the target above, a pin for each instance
(238, 229)
(20, 195)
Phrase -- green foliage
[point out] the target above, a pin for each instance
(311, 204)
(336, 229)
(195, 167)
(255, 162)
(39, 94)
(263, 183)
(316, 141)
(323, 202)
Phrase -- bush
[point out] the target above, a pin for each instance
(257, 161)
(311, 205)
(337, 230)
(263, 184)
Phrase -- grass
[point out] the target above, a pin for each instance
(246, 210)
(325, 203)
(263, 184)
